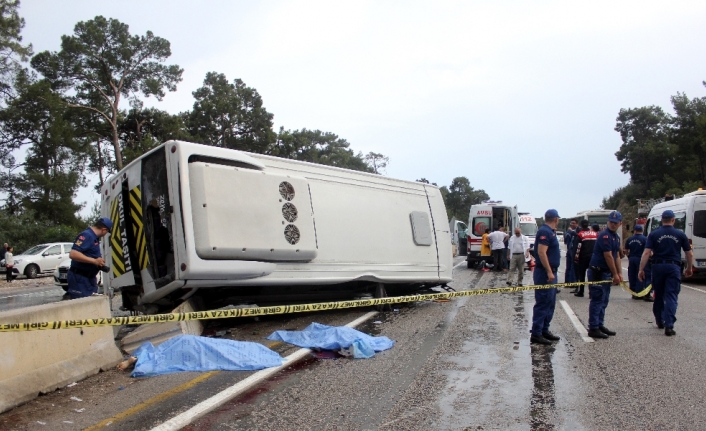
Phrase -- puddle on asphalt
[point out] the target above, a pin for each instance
(491, 384)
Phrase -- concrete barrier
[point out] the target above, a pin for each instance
(35, 362)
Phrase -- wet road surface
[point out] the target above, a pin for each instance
(460, 365)
(26, 293)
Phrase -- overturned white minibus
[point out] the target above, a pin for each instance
(190, 217)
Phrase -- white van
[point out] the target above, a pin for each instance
(690, 217)
(599, 217)
(529, 228)
(487, 215)
(191, 217)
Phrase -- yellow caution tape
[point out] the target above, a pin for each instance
(265, 311)
(638, 294)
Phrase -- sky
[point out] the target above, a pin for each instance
(519, 97)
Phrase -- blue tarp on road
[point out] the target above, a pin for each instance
(194, 353)
(326, 337)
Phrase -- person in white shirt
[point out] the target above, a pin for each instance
(518, 251)
(9, 263)
(497, 245)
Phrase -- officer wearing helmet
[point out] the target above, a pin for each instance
(604, 265)
(665, 243)
(86, 259)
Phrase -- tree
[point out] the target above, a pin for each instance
(12, 52)
(646, 153)
(461, 196)
(377, 162)
(689, 131)
(230, 115)
(143, 129)
(53, 167)
(102, 63)
(315, 146)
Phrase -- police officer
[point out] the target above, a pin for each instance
(665, 243)
(86, 259)
(582, 252)
(604, 265)
(634, 247)
(548, 255)
(569, 239)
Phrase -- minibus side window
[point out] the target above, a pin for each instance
(655, 223)
(700, 223)
(680, 221)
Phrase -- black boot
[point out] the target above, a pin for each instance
(596, 333)
(606, 331)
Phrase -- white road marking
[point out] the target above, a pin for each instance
(575, 321)
(205, 407)
(693, 288)
(459, 264)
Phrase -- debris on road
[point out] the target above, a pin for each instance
(76, 399)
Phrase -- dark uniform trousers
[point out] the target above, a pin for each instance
(600, 294)
(545, 302)
(666, 282)
(580, 268)
(80, 285)
(570, 274)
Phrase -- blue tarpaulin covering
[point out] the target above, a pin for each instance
(326, 337)
(194, 353)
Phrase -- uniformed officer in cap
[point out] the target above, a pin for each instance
(548, 257)
(665, 244)
(604, 265)
(86, 259)
(634, 247)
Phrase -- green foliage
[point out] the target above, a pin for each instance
(663, 154)
(102, 63)
(143, 129)
(230, 115)
(52, 170)
(318, 147)
(459, 197)
(377, 162)
(27, 230)
(12, 52)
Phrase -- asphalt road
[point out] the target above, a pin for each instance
(22, 292)
(460, 365)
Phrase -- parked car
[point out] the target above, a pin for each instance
(61, 275)
(40, 259)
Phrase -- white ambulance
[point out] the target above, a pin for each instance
(487, 215)
(690, 217)
(529, 227)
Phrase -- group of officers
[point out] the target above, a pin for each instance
(658, 253)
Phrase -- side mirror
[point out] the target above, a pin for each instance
(45, 254)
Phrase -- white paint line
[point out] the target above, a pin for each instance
(459, 264)
(575, 321)
(206, 406)
(693, 288)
